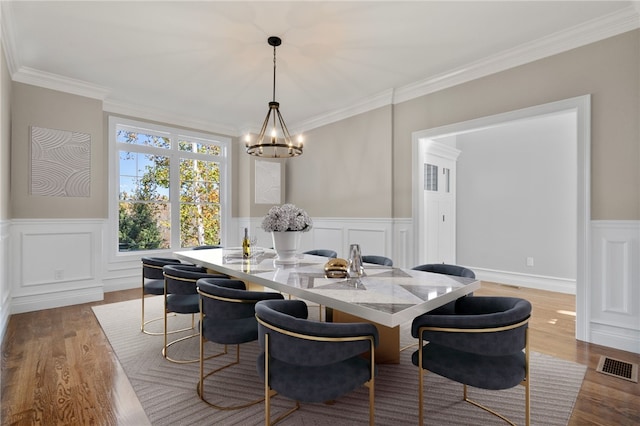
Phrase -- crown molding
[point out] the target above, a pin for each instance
(57, 82)
(376, 101)
(8, 41)
(167, 117)
(624, 20)
(616, 23)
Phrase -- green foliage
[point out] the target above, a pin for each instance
(145, 225)
(138, 229)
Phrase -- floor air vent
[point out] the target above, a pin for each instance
(615, 367)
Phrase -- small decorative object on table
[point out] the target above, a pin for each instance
(336, 268)
(356, 269)
(246, 244)
(286, 223)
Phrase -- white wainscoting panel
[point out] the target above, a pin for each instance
(55, 263)
(5, 283)
(403, 243)
(326, 236)
(375, 235)
(51, 263)
(614, 296)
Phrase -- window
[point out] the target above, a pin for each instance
(170, 187)
(430, 177)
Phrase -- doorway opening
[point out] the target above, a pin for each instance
(580, 108)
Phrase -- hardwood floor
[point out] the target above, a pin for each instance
(58, 367)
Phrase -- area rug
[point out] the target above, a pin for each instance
(167, 391)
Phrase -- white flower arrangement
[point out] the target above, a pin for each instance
(286, 217)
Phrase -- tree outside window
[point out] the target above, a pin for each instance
(167, 183)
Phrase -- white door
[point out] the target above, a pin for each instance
(439, 213)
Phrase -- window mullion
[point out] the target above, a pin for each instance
(214, 157)
(174, 192)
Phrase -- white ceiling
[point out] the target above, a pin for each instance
(208, 62)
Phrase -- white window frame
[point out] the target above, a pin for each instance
(224, 159)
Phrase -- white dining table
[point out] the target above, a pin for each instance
(383, 295)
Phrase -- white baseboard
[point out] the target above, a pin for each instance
(560, 285)
(36, 302)
(5, 283)
(615, 337)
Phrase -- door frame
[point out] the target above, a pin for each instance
(581, 105)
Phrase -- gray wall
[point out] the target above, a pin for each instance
(346, 168)
(34, 106)
(516, 197)
(5, 136)
(609, 70)
(360, 167)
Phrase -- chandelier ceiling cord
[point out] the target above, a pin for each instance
(279, 143)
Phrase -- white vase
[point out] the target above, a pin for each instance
(286, 246)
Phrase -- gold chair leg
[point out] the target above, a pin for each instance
(200, 387)
(420, 383)
(160, 333)
(485, 408)
(404, 348)
(527, 403)
(371, 386)
(527, 381)
(283, 415)
(165, 348)
(142, 316)
(143, 323)
(165, 351)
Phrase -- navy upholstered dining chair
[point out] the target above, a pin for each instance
(153, 284)
(312, 361)
(378, 260)
(206, 247)
(323, 252)
(227, 317)
(446, 269)
(483, 343)
(181, 297)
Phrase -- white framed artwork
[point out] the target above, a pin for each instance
(268, 182)
(60, 163)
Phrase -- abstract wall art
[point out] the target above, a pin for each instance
(60, 163)
(267, 182)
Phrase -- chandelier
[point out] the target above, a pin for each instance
(278, 143)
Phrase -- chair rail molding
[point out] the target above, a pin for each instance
(55, 262)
